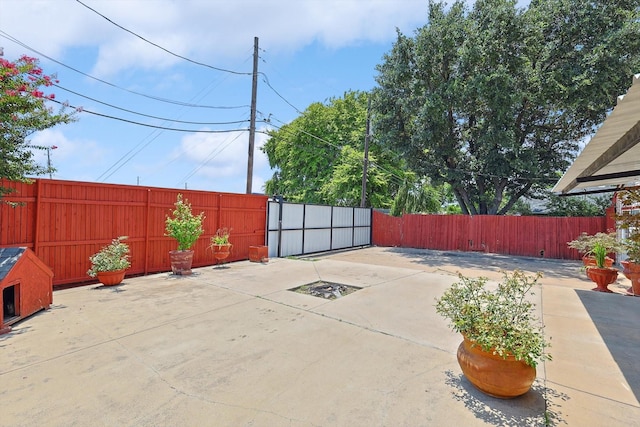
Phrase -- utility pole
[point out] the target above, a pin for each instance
(252, 120)
(53, 147)
(363, 197)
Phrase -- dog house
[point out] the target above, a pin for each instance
(26, 284)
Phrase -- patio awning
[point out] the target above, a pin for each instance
(611, 159)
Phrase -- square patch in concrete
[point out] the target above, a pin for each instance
(326, 290)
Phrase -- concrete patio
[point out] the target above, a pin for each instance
(234, 346)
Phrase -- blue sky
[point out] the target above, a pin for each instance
(310, 51)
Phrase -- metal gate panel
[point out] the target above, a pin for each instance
(343, 217)
(297, 229)
(291, 243)
(292, 216)
(342, 238)
(361, 236)
(317, 216)
(317, 240)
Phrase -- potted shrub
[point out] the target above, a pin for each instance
(602, 275)
(585, 243)
(186, 228)
(502, 339)
(220, 243)
(109, 264)
(629, 219)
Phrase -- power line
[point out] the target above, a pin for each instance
(156, 98)
(162, 48)
(147, 115)
(79, 109)
(214, 153)
(266, 81)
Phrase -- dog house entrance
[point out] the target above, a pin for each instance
(9, 303)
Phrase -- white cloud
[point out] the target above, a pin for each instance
(211, 32)
(221, 155)
(73, 156)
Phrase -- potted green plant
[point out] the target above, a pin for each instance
(600, 273)
(220, 243)
(502, 339)
(109, 264)
(585, 244)
(186, 228)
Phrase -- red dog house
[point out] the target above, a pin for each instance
(26, 284)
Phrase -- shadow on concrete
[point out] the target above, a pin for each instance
(568, 269)
(539, 406)
(617, 318)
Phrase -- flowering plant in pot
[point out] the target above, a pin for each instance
(186, 228)
(502, 339)
(109, 264)
(220, 243)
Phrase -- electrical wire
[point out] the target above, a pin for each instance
(156, 98)
(147, 115)
(265, 79)
(162, 48)
(147, 124)
(214, 153)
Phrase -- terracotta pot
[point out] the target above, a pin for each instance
(602, 277)
(110, 278)
(590, 260)
(181, 262)
(220, 252)
(631, 271)
(493, 375)
(259, 253)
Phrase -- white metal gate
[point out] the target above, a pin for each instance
(297, 229)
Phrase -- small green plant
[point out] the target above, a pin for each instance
(599, 253)
(112, 257)
(499, 321)
(221, 237)
(183, 225)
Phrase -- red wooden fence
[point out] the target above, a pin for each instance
(64, 222)
(510, 235)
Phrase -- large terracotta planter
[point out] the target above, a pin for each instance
(110, 278)
(181, 262)
(631, 271)
(493, 375)
(602, 277)
(221, 252)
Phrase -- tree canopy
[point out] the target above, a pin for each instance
(23, 111)
(318, 157)
(494, 100)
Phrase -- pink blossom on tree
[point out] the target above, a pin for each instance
(24, 110)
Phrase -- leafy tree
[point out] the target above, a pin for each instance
(493, 100)
(318, 157)
(417, 196)
(554, 205)
(578, 205)
(23, 111)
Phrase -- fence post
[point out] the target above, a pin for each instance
(146, 234)
(36, 231)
